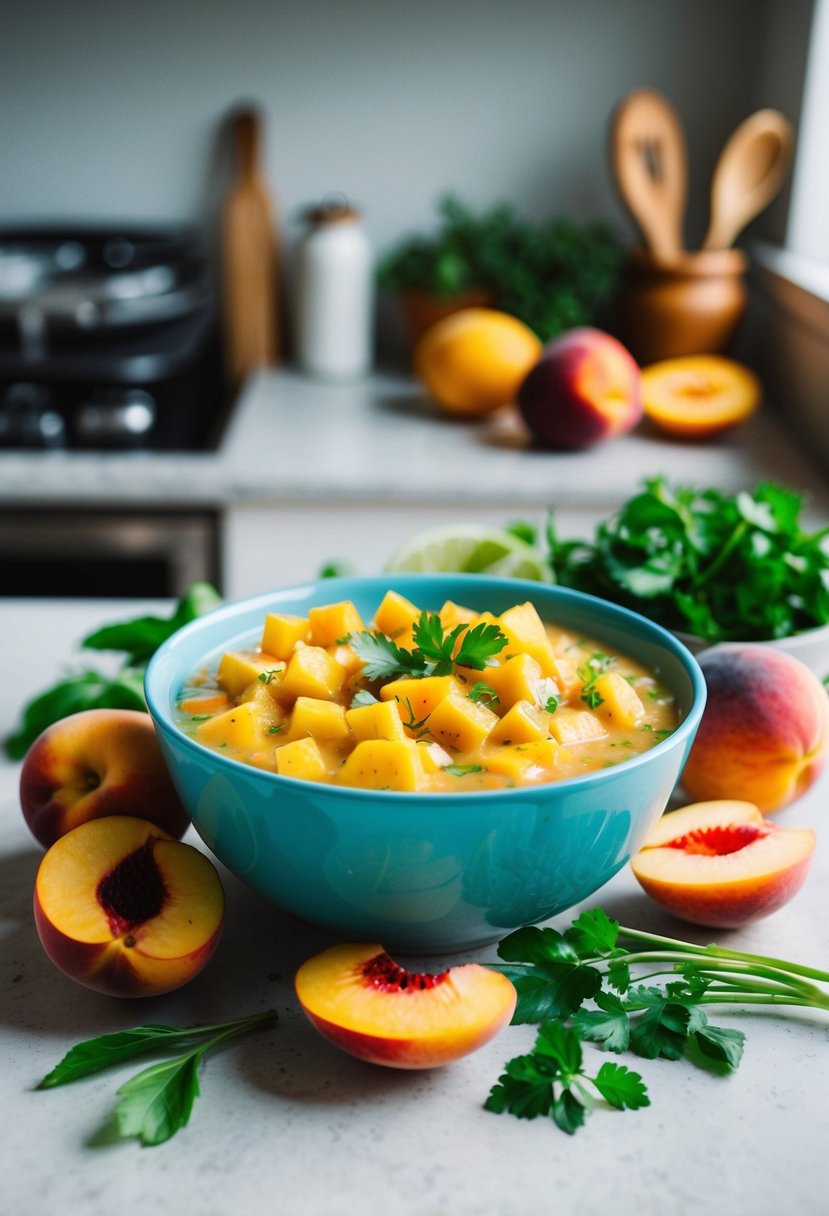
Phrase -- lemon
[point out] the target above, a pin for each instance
(471, 549)
(475, 360)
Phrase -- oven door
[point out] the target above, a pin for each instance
(116, 554)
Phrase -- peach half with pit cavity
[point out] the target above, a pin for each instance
(721, 863)
(364, 1002)
(125, 909)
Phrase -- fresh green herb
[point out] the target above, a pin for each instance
(483, 694)
(723, 567)
(276, 729)
(613, 968)
(157, 1102)
(463, 770)
(417, 726)
(90, 689)
(267, 676)
(551, 1081)
(435, 652)
(589, 671)
(553, 275)
(552, 703)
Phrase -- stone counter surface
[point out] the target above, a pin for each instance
(288, 1124)
(293, 439)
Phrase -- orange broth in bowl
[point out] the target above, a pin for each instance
(442, 702)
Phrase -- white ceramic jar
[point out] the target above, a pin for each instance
(334, 294)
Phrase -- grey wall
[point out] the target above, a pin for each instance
(113, 110)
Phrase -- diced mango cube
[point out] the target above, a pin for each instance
(347, 658)
(239, 668)
(571, 726)
(241, 729)
(516, 679)
(318, 718)
(459, 723)
(260, 694)
(525, 762)
(311, 672)
(419, 696)
(620, 704)
(301, 758)
(526, 635)
(452, 614)
(395, 615)
(379, 721)
(383, 764)
(522, 723)
(330, 622)
(282, 632)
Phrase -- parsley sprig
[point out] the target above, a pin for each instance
(158, 1101)
(435, 652)
(596, 983)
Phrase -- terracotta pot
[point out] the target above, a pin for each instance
(690, 306)
(421, 309)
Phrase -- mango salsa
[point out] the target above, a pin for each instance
(446, 700)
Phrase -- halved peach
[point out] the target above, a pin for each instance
(698, 396)
(365, 1003)
(722, 863)
(125, 909)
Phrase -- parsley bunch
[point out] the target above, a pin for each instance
(724, 567)
(612, 968)
(435, 652)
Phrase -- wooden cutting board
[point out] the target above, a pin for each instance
(249, 255)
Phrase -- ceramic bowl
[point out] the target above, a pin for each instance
(423, 873)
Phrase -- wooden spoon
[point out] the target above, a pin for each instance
(650, 166)
(750, 171)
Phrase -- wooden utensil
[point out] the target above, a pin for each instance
(650, 166)
(750, 171)
(250, 280)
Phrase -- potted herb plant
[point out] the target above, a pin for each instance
(552, 275)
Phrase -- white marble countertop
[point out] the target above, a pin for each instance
(292, 439)
(287, 1123)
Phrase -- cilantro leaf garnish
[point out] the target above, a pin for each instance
(435, 653)
(158, 1101)
(463, 770)
(483, 693)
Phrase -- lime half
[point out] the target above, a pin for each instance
(470, 549)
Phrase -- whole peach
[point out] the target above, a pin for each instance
(95, 763)
(586, 387)
(763, 734)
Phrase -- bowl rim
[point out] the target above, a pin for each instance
(163, 719)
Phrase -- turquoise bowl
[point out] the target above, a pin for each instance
(423, 873)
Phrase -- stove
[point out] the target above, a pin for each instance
(109, 340)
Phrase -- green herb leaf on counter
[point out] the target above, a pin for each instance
(598, 961)
(158, 1101)
(90, 689)
(723, 567)
(551, 1081)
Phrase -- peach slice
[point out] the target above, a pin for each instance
(722, 863)
(365, 1003)
(94, 763)
(123, 908)
(699, 396)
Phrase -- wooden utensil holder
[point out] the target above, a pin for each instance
(692, 305)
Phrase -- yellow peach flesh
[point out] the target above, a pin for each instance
(351, 996)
